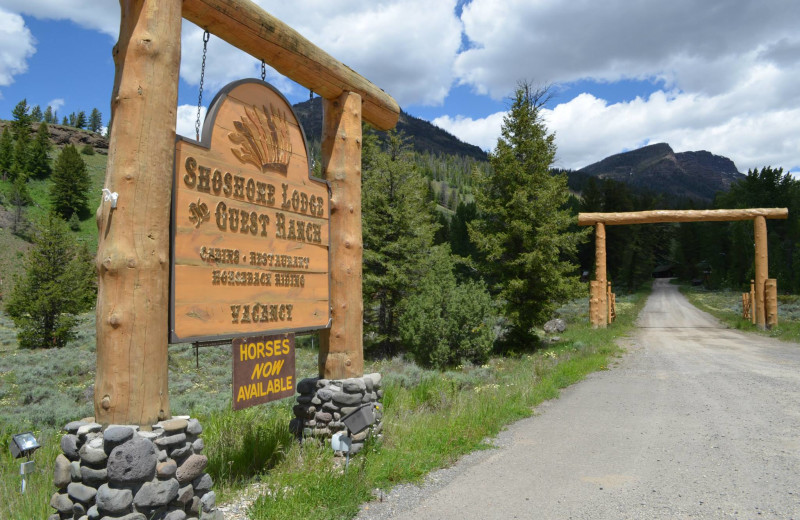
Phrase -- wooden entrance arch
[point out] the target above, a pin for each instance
(133, 245)
(598, 306)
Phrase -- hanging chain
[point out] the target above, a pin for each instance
(263, 71)
(206, 37)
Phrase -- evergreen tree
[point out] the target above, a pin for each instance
(48, 115)
(6, 153)
(44, 303)
(19, 198)
(95, 120)
(21, 156)
(21, 119)
(64, 121)
(71, 182)
(39, 163)
(398, 229)
(36, 114)
(80, 120)
(523, 229)
(73, 119)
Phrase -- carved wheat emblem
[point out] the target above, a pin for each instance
(263, 138)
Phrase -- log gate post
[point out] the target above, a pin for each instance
(600, 300)
(340, 348)
(760, 233)
(133, 239)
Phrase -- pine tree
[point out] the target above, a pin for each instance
(19, 199)
(95, 120)
(48, 115)
(71, 182)
(64, 121)
(80, 120)
(21, 121)
(398, 229)
(39, 163)
(73, 119)
(19, 169)
(44, 303)
(523, 229)
(6, 153)
(36, 114)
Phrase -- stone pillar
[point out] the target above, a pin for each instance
(323, 402)
(127, 473)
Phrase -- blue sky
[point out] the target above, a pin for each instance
(717, 75)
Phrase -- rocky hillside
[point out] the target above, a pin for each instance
(657, 168)
(61, 135)
(423, 136)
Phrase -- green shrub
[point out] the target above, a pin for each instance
(74, 222)
(87, 150)
(445, 323)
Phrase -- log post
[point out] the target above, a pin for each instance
(341, 353)
(753, 302)
(133, 243)
(771, 301)
(600, 274)
(760, 231)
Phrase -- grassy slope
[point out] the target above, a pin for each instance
(12, 247)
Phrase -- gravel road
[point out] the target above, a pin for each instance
(694, 421)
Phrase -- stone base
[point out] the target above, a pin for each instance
(125, 473)
(323, 402)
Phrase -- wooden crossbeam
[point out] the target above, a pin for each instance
(659, 216)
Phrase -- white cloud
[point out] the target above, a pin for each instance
(692, 45)
(481, 132)
(102, 16)
(187, 117)
(56, 104)
(406, 47)
(16, 46)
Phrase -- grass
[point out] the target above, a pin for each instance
(726, 306)
(432, 418)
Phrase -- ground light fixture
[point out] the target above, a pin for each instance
(23, 445)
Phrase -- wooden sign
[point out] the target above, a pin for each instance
(263, 370)
(250, 234)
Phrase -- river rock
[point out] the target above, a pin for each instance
(132, 461)
(554, 326)
(202, 483)
(166, 469)
(61, 476)
(61, 503)
(194, 427)
(191, 468)
(354, 386)
(156, 494)
(174, 425)
(343, 399)
(113, 501)
(93, 477)
(80, 492)
(69, 445)
(116, 435)
(92, 452)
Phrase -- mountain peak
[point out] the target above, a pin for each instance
(695, 175)
(423, 136)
